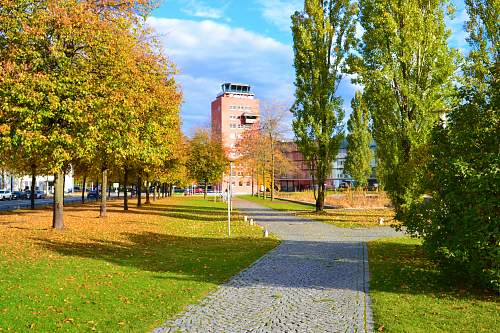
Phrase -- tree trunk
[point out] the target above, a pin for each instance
(206, 189)
(272, 172)
(104, 195)
(83, 187)
(264, 183)
(139, 192)
(320, 201)
(314, 182)
(33, 187)
(58, 209)
(170, 190)
(147, 192)
(125, 194)
(253, 189)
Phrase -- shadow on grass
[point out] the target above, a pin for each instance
(398, 267)
(193, 258)
(295, 264)
(187, 214)
(395, 268)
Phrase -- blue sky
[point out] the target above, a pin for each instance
(216, 41)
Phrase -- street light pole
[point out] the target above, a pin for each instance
(229, 198)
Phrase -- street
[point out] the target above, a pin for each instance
(20, 204)
(26, 203)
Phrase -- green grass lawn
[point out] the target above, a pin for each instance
(127, 273)
(409, 293)
(341, 217)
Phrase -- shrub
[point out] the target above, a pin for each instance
(460, 224)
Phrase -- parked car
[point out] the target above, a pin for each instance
(5, 195)
(196, 190)
(93, 195)
(40, 195)
(345, 185)
(372, 185)
(20, 195)
(16, 195)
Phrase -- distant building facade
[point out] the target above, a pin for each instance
(42, 183)
(300, 178)
(235, 110)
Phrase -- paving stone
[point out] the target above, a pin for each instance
(316, 280)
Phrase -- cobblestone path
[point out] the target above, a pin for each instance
(316, 280)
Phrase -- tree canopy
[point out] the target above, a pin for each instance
(460, 223)
(207, 159)
(83, 82)
(406, 67)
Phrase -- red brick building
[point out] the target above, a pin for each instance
(301, 179)
(235, 110)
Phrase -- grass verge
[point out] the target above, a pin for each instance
(128, 272)
(410, 294)
(341, 217)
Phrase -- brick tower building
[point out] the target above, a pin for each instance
(235, 110)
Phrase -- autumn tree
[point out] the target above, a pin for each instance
(249, 150)
(323, 34)
(359, 139)
(273, 124)
(138, 121)
(45, 86)
(73, 78)
(260, 150)
(175, 172)
(207, 159)
(406, 68)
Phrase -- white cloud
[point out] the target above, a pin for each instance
(209, 53)
(198, 8)
(278, 12)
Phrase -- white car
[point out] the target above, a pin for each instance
(5, 195)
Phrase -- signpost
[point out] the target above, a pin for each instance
(229, 198)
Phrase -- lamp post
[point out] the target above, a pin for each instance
(229, 198)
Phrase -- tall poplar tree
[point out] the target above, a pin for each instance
(359, 139)
(406, 68)
(323, 34)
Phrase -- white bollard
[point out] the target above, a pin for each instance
(381, 221)
(245, 218)
(251, 222)
(266, 233)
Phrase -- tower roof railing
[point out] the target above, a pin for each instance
(236, 88)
